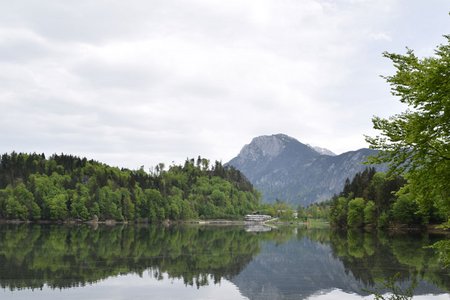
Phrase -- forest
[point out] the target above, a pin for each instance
(376, 200)
(65, 187)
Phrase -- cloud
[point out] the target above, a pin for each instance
(380, 36)
(21, 46)
(150, 81)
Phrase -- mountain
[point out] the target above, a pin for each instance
(322, 151)
(283, 168)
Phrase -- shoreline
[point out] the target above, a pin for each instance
(431, 228)
(114, 222)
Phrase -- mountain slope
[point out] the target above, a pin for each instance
(283, 168)
(323, 151)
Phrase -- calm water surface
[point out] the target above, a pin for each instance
(194, 262)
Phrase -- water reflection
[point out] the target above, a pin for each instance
(321, 264)
(195, 261)
(132, 286)
(372, 257)
(62, 256)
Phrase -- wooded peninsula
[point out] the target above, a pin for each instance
(65, 187)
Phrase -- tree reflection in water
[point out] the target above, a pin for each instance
(285, 262)
(68, 256)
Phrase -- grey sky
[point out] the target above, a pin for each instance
(134, 83)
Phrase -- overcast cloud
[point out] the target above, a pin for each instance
(134, 83)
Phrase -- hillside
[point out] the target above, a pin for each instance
(64, 187)
(283, 168)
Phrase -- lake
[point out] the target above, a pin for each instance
(213, 262)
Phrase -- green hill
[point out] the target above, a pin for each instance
(65, 187)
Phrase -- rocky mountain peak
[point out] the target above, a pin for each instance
(283, 168)
(265, 146)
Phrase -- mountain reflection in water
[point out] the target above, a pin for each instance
(196, 262)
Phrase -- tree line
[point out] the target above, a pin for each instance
(376, 199)
(63, 187)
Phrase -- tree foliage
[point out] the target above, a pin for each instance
(416, 143)
(63, 187)
(368, 200)
(319, 210)
(355, 215)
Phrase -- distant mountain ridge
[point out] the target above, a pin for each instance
(283, 168)
(323, 151)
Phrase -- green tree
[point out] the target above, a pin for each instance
(383, 220)
(338, 212)
(80, 200)
(128, 208)
(18, 203)
(154, 201)
(406, 211)
(109, 203)
(355, 215)
(15, 209)
(26, 198)
(369, 213)
(417, 142)
(57, 206)
(218, 197)
(3, 198)
(64, 186)
(79, 209)
(50, 194)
